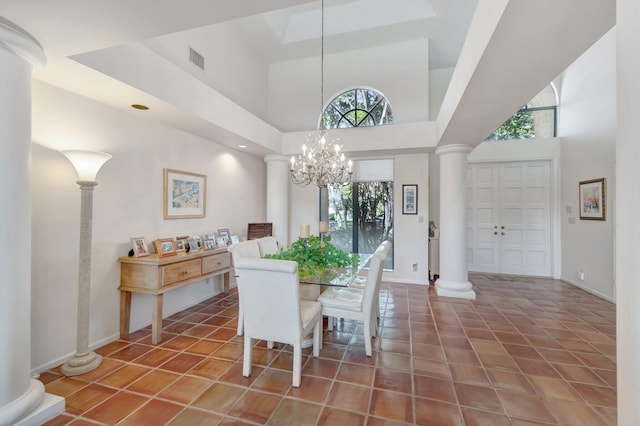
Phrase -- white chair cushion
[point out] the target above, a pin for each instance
(342, 298)
(308, 311)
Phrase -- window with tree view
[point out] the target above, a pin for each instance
(537, 119)
(357, 108)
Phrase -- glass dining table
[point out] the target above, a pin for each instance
(337, 276)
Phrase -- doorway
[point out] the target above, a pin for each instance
(509, 218)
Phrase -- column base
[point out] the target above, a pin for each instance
(460, 290)
(81, 363)
(34, 407)
(50, 407)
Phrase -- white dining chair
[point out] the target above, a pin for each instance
(267, 245)
(243, 249)
(358, 304)
(273, 310)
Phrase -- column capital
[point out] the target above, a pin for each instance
(275, 158)
(21, 43)
(454, 149)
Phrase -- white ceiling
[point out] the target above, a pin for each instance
(280, 30)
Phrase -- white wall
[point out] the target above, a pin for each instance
(293, 81)
(587, 127)
(127, 203)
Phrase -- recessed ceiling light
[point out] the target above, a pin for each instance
(140, 107)
(242, 146)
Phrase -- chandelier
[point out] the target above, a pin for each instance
(322, 162)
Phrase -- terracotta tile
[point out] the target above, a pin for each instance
(575, 414)
(427, 338)
(156, 412)
(230, 351)
(219, 397)
(500, 362)
(513, 338)
(210, 368)
(577, 346)
(358, 355)
(155, 357)
(554, 388)
(116, 408)
(394, 361)
(525, 406)
(436, 413)
(61, 420)
(87, 398)
(332, 351)
(107, 366)
(131, 352)
(431, 368)
(65, 386)
(474, 417)
(434, 352)
(255, 406)
(273, 381)
(577, 373)
(479, 397)
(234, 375)
(391, 405)
(185, 389)
(474, 333)
(321, 367)
(536, 367)
(356, 374)
(191, 417)
(333, 416)
(596, 361)
(458, 356)
(433, 388)
(509, 380)
(350, 397)
(455, 342)
(204, 347)
(124, 376)
(223, 334)
(608, 376)
(200, 331)
(559, 356)
(291, 412)
(153, 382)
(491, 347)
(597, 395)
(312, 389)
(469, 374)
(179, 342)
(543, 342)
(181, 363)
(392, 380)
(111, 347)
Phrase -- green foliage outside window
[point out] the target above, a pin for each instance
(519, 126)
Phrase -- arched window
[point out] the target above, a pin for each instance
(356, 108)
(537, 119)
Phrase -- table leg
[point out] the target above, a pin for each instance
(125, 313)
(156, 319)
(225, 281)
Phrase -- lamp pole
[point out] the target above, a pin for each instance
(87, 164)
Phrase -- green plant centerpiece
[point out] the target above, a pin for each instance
(315, 255)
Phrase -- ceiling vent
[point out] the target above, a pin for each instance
(196, 58)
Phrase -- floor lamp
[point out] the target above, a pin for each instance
(87, 164)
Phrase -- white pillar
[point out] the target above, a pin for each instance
(454, 279)
(278, 196)
(22, 399)
(627, 227)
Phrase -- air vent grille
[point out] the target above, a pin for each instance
(196, 58)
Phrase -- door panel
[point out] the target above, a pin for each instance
(509, 218)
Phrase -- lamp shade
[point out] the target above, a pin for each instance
(87, 163)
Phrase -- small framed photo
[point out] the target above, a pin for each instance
(210, 236)
(198, 241)
(193, 245)
(593, 199)
(224, 233)
(184, 195)
(222, 242)
(409, 199)
(209, 244)
(165, 247)
(234, 239)
(181, 243)
(139, 247)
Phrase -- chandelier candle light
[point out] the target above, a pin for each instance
(321, 163)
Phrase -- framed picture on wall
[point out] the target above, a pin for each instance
(184, 195)
(593, 199)
(409, 199)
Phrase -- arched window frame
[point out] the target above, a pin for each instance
(361, 115)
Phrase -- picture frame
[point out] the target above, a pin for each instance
(139, 247)
(224, 233)
(210, 236)
(193, 245)
(209, 244)
(221, 242)
(235, 239)
(165, 247)
(410, 199)
(182, 243)
(185, 195)
(593, 199)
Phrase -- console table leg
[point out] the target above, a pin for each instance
(125, 313)
(225, 281)
(156, 319)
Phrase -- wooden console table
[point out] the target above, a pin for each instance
(157, 275)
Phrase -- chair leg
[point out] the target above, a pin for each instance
(330, 323)
(317, 338)
(297, 364)
(240, 319)
(246, 360)
(367, 337)
(269, 344)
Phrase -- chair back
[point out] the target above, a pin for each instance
(270, 298)
(268, 245)
(374, 276)
(245, 249)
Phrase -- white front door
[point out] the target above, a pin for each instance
(509, 218)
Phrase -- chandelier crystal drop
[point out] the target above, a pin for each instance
(322, 162)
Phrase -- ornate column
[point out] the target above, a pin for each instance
(278, 196)
(22, 399)
(454, 280)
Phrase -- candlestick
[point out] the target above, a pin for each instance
(305, 231)
(324, 227)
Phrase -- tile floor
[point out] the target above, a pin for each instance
(528, 351)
